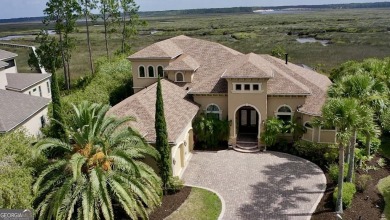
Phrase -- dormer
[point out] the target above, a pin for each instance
(8, 61)
(182, 69)
(248, 74)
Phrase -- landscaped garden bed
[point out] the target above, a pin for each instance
(368, 204)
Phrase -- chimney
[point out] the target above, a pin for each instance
(286, 54)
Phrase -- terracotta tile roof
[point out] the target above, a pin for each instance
(17, 107)
(184, 62)
(179, 111)
(161, 50)
(316, 82)
(249, 66)
(4, 55)
(22, 81)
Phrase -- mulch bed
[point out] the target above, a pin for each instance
(170, 203)
(366, 205)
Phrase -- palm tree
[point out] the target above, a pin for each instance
(101, 169)
(273, 128)
(342, 114)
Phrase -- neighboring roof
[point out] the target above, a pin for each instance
(249, 66)
(161, 50)
(142, 106)
(22, 81)
(184, 62)
(316, 82)
(4, 55)
(3, 64)
(18, 107)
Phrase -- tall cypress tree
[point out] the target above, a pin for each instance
(162, 145)
(57, 125)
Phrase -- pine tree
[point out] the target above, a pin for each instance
(162, 145)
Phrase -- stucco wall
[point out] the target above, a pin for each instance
(33, 124)
(3, 79)
(140, 83)
(181, 152)
(327, 136)
(188, 75)
(45, 88)
(220, 100)
(258, 100)
(275, 102)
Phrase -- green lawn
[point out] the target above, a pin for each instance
(384, 189)
(200, 205)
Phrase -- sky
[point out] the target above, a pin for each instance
(33, 8)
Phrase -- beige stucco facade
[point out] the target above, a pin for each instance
(33, 124)
(181, 151)
(41, 89)
(139, 82)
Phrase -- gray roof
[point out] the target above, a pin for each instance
(3, 64)
(22, 81)
(4, 55)
(16, 107)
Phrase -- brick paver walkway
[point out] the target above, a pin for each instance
(267, 185)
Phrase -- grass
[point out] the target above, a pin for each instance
(355, 34)
(200, 205)
(384, 189)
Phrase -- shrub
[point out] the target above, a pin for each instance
(333, 171)
(349, 191)
(362, 182)
(210, 131)
(174, 184)
(320, 154)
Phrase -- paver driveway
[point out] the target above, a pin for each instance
(267, 185)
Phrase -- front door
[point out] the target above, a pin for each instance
(249, 121)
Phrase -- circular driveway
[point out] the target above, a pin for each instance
(266, 185)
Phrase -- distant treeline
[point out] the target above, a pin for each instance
(231, 10)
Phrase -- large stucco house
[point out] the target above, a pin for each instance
(202, 76)
(24, 97)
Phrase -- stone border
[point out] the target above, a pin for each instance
(220, 197)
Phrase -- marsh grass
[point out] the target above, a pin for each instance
(355, 34)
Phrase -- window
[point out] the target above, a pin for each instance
(160, 71)
(29, 92)
(151, 71)
(213, 111)
(11, 63)
(141, 71)
(40, 91)
(308, 125)
(284, 113)
(48, 87)
(179, 77)
(35, 89)
(247, 87)
(43, 121)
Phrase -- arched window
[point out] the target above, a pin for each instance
(179, 77)
(213, 111)
(160, 71)
(284, 113)
(151, 71)
(141, 71)
(308, 125)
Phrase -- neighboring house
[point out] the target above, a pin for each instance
(24, 97)
(202, 76)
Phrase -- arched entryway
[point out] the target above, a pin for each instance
(247, 123)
